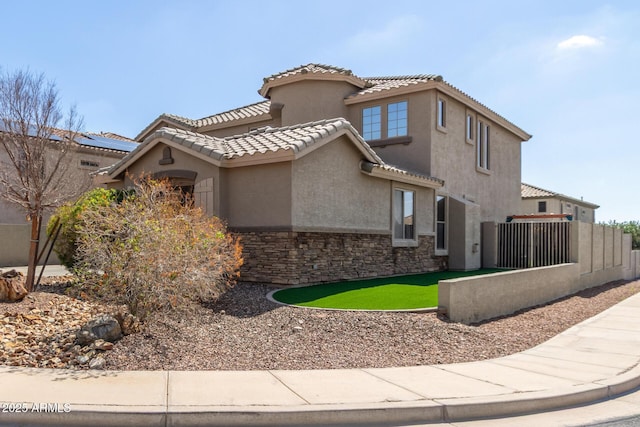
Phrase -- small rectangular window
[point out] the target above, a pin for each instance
(542, 207)
(371, 123)
(397, 119)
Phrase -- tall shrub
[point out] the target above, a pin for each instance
(68, 217)
(155, 251)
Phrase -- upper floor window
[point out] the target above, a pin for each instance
(469, 128)
(442, 114)
(397, 119)
(371, 123)
(403, 215)
(483, 145)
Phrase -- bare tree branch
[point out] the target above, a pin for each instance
(35, 171)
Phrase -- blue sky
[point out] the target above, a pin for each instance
(564, 71)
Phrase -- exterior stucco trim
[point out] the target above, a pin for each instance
(399, 175)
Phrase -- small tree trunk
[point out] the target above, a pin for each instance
(33, 252)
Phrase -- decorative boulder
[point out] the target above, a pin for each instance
(12, 286)
(103, 327)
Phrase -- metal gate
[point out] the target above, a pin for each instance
(533, 244)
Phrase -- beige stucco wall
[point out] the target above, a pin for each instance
(257, 196)
(330, 192)
(556, 205)
(415, 156)
(149, 164)
(311, 100)
(447, 155)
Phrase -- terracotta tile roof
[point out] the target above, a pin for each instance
(250, 111)
(379, 84)
(529, 191)
(313, 71)
(264, 141)
(309, 68)
(255, 143)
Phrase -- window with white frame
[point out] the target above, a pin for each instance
(371, 123)
(441, 120)
(483, 145)
(441, 223)
(397, 119)
(404, 215)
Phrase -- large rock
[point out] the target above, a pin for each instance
(103, 327)
(12, 286)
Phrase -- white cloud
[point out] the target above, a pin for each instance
(579, 41)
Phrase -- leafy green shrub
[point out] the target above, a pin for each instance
(155, 251)
(69, 216)
(630, 227)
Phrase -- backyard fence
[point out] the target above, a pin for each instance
(533, 244)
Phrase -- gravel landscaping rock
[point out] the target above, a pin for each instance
(245, 331)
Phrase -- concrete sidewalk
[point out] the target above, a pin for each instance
(591, 362)
(50, 270)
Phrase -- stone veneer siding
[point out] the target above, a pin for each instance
(292, 258)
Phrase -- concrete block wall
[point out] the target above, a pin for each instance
(600, 254)
(473, 299)
(14, 245)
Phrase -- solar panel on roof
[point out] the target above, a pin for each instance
(108, 143)
(32, 131)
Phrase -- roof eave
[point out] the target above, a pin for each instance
(377, 171)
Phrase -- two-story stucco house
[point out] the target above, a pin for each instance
(536, 201)
(335, 176)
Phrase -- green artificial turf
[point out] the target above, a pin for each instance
(389, 293)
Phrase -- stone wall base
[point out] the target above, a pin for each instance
(292, 258)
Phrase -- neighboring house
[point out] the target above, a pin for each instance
(336, 176)
(536, 200)
(91, 151)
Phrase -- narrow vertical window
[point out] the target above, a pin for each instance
(487, 146)
(479, 142)
(483, 145)
(441, 223)
(442, 113)
(403, 215)
(371, 123)
(397, 119)
(469, 128)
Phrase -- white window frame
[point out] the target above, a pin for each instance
(398, 212)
